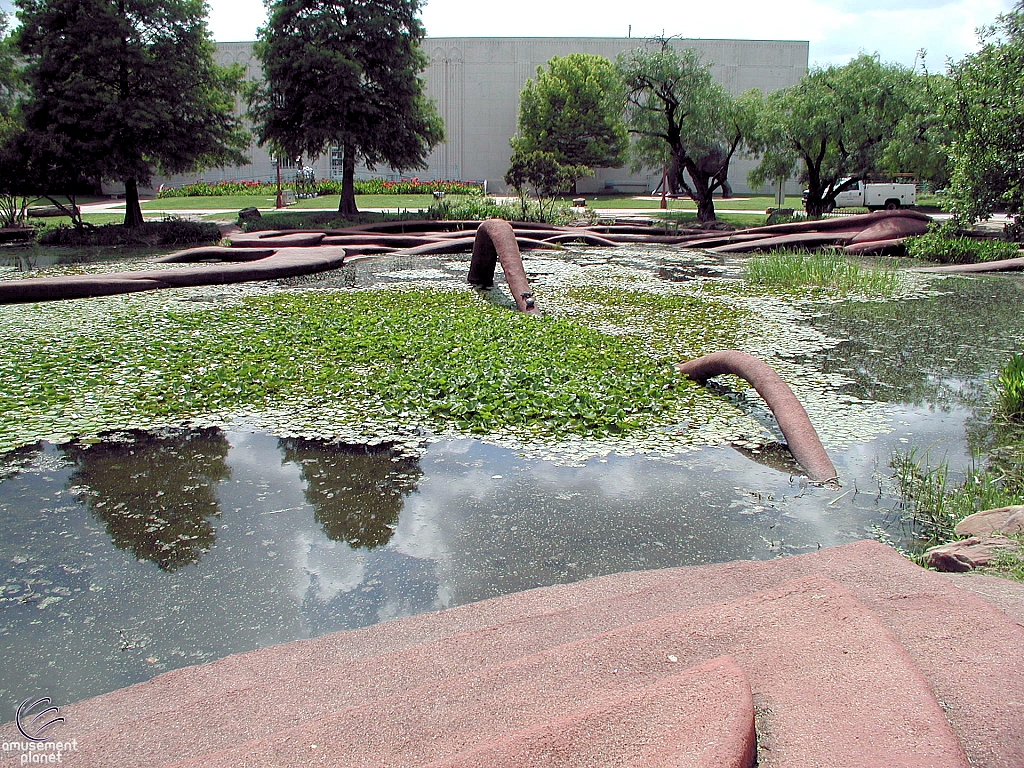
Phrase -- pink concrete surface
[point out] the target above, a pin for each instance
(967, 650)
(284, 262)
(699, 718)
(835, 689)
(1003, 265)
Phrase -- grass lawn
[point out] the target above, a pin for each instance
(415, 202)
(228, 202)
(328, 202)
(685, 204)
(91, 218)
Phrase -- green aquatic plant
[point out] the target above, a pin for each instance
(794, 270)
(431, 359)
(1009, 387)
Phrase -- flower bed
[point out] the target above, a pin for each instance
(412, 186)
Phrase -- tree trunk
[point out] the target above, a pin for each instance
(132, 209)
(347, 204)
(703, 183)
(705, 209)
(674, 174)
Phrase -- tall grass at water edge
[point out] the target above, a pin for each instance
(824, 269)
(933, 499)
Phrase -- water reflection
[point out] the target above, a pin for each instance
(926, 351)
(154, 492)
(356, 492)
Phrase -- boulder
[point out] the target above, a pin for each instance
(1008, 521)
(968, 554)
(249, 214)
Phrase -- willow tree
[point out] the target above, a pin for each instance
(841, 124)
(123, 88)
(345, 74)
(682, 119)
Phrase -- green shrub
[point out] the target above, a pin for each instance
(171, 231)
(1009, 386)
(316, 220)
(478, 209)
(947, 247)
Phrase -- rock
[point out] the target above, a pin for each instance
(1005, 520)
(968, 554)
(41, 211)
(248, 214)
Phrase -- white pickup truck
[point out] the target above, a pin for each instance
(877, 196)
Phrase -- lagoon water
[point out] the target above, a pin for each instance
(152, 550)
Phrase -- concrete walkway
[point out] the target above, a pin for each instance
(851, 657)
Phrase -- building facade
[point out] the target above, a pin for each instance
(475, 83)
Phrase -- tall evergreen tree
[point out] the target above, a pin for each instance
(122, 88)
(574, 110)
(345, 74)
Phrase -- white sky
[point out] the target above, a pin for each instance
(837, 29)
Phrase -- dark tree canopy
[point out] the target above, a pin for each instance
(574, 111)
(681, 119)
(841, 124)
(122, 89)
(157, 493)
(985, 114)
(346, 74)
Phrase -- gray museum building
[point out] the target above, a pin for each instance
(475, 83)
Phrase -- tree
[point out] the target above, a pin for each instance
(123, 88)
(839, 125)
(682, 120)
(573, 110)
(345, 74)
(985, 114)
(542, 171)
(9, 125)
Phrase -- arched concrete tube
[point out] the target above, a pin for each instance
(496, 241)
(800, 436)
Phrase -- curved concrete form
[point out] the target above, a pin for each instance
(800, 435)
(272, 254)
(1003, 265)
(860, 233)
(496, 242)
(284, 262)
(215, 253)
(274, 239)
